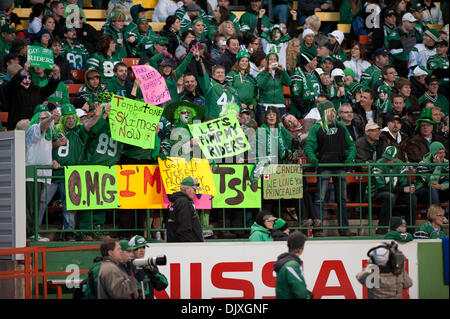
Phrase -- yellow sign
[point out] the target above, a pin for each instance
(175, 169)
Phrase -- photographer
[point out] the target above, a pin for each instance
(148, 276)
(113, 279)
(385, 275)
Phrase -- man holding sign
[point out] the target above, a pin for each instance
(23, 96)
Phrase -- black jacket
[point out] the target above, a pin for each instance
(227, 59)
(173, 39)
(65, 68)
(89, 37)
(22, 102)
(183, 223)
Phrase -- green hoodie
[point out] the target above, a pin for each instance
(427, 231)
(245, 85)
(398, 236)
(432, 174)
(259, 233)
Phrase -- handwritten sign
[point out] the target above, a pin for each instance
(283, 181)
(91, 187)
(40, 57)
(175, 169)
(153, 85)
(133, 122)
(233, 189)
(139, 187)
(220, 138)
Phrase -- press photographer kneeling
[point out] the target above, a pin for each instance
(145, 270)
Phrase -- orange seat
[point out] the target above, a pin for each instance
(286, 90)
(78, 74)
(4, 119)
(131, 61)
(73, 88)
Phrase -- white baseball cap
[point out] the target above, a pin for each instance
(409, 17)
(337, 72)
(81, 113)
(319, 71)
(338, 35)
(307, 32)
(419, 71)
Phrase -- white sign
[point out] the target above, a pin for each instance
(245, 269)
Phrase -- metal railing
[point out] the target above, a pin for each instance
(359, 186)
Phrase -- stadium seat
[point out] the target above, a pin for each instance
(435, 26)
(4, 116)
(131, 61)
(78, 74)
(346, 28)
(73, 88)
(328, 16)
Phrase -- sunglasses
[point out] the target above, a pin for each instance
(185, 112)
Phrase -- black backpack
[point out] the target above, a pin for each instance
(88, 287)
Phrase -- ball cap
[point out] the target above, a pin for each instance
(124, 245)
(397, 221)
(192, 182)
(392, 117)
(137, 242)
(372, 126)
(409, 17)
(390, 153)
(379, 51)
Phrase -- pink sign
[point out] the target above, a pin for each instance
(201, 201)
(153, 85)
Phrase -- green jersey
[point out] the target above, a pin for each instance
(61, 94)
(186, 22)
(71, 153)
(371, 76)
(101, 148)
(4, 47)
(438, 100)
(217, 96)
(115, 87)
(143, 42)
(398, 236)
(89, 95)
(385, 106)
(76, 54)
(104, 64)
(388, 183)
(249, 20)
(245, 85)
(427, 231)
(290, 282)
(436, 62)
(121, 49)
(302, 85)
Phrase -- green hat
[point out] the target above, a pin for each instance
(197, 20)
(140, 20)
(8, 28)
(137, 242)
(436, 147)
(324, 105)
(385, 88)
(68, 109)
(354, 87)
(124, 245)
(327, 57)
(169, 110)
(280, 224)
(134, 10)
(433, 34)
(242, 54)
(350, 72)
(162, 41)
(426, 116)
(117, 15)
(273, 51)
(192, 182)
(396, 222)
(40, 108)
(275, 26)
(390, 153)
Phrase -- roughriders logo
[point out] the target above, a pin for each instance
(332, 131)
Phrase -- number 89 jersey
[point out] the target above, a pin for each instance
(101, 148)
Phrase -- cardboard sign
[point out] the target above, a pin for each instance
(139, 187)
(133, 122)
(40, 57)
(175, 169)
(91, 187)
(153, 85)
(233, 189)
(221, 137)
(283, 181)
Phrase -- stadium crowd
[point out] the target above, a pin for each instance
(375, 94)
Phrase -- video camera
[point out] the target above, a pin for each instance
(150, 261)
